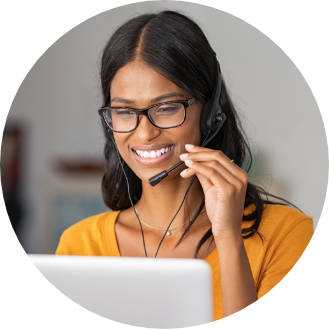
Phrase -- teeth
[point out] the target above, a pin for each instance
(153, 154)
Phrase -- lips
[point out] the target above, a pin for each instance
(153, 154)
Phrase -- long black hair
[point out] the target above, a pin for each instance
(174, 46)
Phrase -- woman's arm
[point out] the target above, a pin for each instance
(224, 185)
(238, 287)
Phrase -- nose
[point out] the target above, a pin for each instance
(144, 121)
(145, 130)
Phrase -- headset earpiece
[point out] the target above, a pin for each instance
(204, 117)
(212, 116)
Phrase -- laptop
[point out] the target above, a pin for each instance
(146, 292)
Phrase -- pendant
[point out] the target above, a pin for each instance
(168, 233)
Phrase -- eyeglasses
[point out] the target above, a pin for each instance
(164, 115)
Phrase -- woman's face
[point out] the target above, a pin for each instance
(136, 85)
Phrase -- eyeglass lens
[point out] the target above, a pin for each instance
(163, 116)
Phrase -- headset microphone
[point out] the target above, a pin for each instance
(212, 119)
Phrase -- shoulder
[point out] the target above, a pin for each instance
(283, 219)
(277, 215)
(86, 237)
(286, 232)
(91, 225)
(279, 222)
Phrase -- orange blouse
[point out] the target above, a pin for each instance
(287, 233)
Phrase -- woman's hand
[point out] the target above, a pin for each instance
(224, 185)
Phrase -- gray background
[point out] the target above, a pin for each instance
(59, 98)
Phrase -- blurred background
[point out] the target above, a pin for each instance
(51, 152)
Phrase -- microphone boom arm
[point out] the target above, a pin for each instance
(159, 177)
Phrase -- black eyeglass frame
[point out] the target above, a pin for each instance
(145, 111)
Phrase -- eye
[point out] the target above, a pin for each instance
(168, 109)
(123, 112)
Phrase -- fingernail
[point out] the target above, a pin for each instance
(188, 161)
(183, 172)
(189, 146)
(183, 156)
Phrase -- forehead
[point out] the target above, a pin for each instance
(138, 82)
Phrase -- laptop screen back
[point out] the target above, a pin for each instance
(150, 292)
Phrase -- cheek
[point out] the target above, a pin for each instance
(120, 140)
(189, 132)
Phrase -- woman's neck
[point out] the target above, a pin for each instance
(159, 204)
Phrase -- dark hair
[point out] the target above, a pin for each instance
(174, 46)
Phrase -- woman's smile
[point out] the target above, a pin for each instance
(154, 154)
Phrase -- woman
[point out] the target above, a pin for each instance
(163, 64)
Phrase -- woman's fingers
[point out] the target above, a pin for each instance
(218, 175)
(216, 160)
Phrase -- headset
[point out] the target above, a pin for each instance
(212, 119)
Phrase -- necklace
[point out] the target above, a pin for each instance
(164, 229)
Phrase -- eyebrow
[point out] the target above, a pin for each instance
(154, 100)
